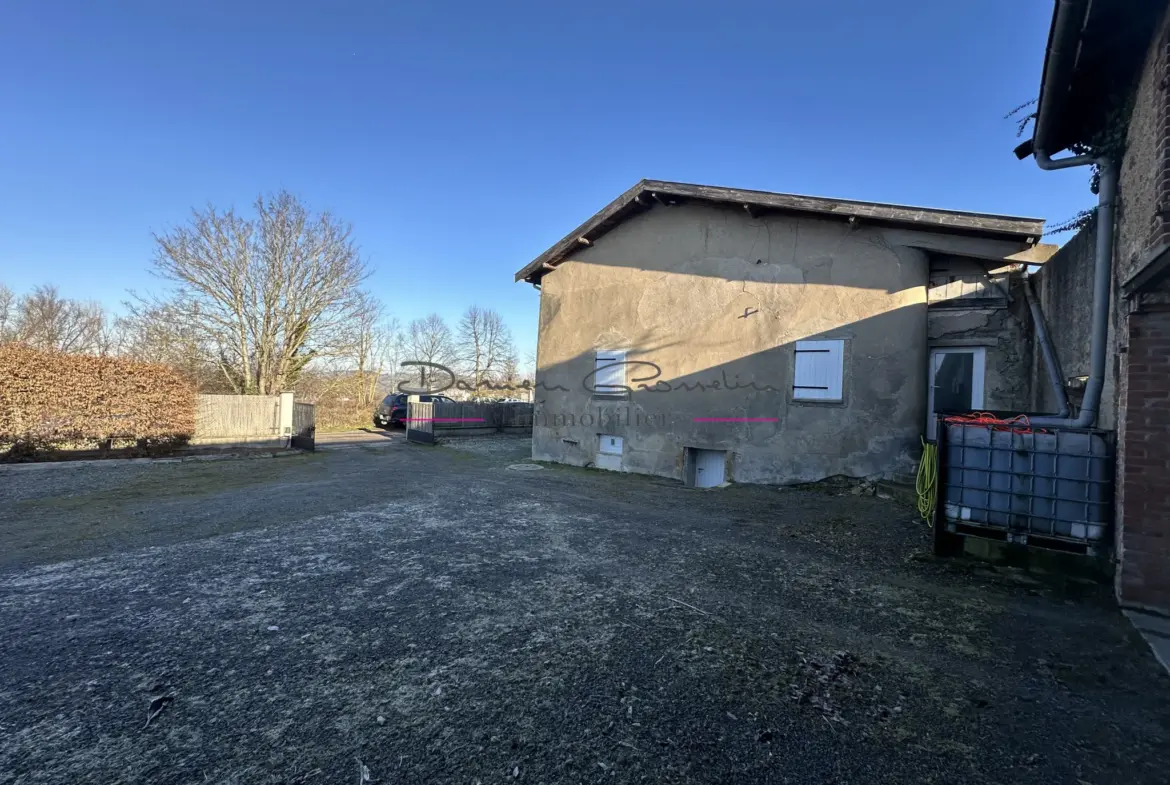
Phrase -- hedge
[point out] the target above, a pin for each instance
(50, 400)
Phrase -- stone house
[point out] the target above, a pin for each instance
(1104, 88)
(710, 334)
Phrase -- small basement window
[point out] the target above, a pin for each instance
(818, 371)
(609, 373)
(609, 445)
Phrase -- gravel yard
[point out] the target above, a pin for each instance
(436, 617)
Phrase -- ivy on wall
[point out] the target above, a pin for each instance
(1107, 142)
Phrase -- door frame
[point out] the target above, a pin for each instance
(978, 377)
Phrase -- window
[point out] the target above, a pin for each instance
(955, 382)
(609, 374)
(609, 445)
(818, 371)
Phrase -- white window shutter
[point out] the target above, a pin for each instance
(819, 371)
(610, 373)
(835, 372)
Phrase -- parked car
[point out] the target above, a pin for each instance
(392, 410)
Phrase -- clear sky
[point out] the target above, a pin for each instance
(461, 139)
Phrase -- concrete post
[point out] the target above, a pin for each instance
(286, 417)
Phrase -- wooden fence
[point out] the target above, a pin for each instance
(237, 418)
(274, 420)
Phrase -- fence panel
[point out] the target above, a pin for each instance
(458, 416)
(468, 418)
(420, 422)
(304, 426)
(517, 416)
(238, 417)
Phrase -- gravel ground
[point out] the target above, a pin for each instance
(435, 617)
(515, 448)
(366, 436)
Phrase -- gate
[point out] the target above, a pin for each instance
(420, 421)
(304, 433)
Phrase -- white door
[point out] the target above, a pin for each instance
(709, 468)
(956, 382)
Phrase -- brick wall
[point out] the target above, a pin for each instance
(1144, 574)
(1143, 428)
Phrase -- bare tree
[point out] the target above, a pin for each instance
(484, 345)
(510, 371)
(7, 314)
(166, 333)
(396, 352)
(351, 379)
(267, 294)
(47, 320)
(429, 340)
(372, 338)
(393, 352)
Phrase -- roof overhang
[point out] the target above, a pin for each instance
(1096, 49)
(651, 194)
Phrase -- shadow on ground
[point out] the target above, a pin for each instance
(359, 436)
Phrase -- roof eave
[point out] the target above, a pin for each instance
(1094, 51)
(535, 269)
(646, 193)
(1068, 17)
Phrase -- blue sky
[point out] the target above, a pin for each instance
(462, 139)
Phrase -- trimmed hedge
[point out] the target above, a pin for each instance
(50, 400)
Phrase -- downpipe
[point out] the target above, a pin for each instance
(1102, 280)
(1059, 63)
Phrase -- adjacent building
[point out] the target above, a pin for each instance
(1104, 93)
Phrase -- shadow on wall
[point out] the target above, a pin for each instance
(746, 406)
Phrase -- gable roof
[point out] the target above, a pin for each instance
(647, 194)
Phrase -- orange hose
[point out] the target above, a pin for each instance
(1018, 424)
